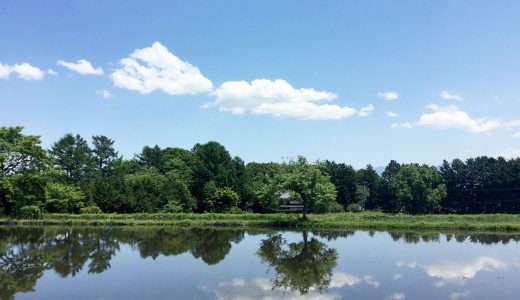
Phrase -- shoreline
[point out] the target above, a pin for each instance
(361, 221)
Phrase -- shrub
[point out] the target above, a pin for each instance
(63, 198)
(336, 208)
(172, 207)
(30, 212)
(90, 210)
(57, 206)
(235, 210)
(354, 207)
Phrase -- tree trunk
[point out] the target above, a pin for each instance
(5, 204)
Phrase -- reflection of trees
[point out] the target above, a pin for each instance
(299, 266)
(481, 238)
(211, 245)
(26, 252)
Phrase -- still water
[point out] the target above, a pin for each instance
(168, 263)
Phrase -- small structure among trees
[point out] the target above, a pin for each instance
(290, 202)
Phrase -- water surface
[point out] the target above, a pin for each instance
(183, 263)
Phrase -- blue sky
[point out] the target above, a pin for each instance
(269, 79)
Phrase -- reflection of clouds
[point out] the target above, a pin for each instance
(396, 296)
(341, 279)
(458, 295)
(261, 288)
(450, 271)
(454, 272)
(236, 282)
(371, 280)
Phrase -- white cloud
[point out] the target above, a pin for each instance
(365, 111)
(447, 95)
(397, 276)
(51, 72)
(388, 96)
(278, 98)
(82, 66)
(391, 114)
(105, 94)
(155, 68)
(402, 125)
(396, 296)
(459, 295)
(510, 152)
(444, 117)
(517, 135)
(512, 124)
(24, 71)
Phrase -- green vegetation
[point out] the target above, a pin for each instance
(76, 177)
(351, 221)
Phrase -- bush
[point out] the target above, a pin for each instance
(63, 198)
(90, 210)
(30, 212)
(336, 208)
(172, 207)
(57, 206)
(354, 207)
(235, 210)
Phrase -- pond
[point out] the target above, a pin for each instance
(210, 263)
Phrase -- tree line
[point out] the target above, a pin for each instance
(75, 176)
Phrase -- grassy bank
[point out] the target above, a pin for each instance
(364, 220)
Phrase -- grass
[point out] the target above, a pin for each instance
(363, 220)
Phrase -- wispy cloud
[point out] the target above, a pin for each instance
(396, 296)
(402, 125)
(448, 95)
(105, 94)
(82, 66)
(367, 110)
(510, 152)
(389, 96)
(156, 68)
(23, 71)
(391, 114)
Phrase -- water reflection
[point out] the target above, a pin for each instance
(299, 264)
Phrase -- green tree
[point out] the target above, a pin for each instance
(387, 198)
(73, 156)
(22, 167)
(224, 199)
(314, 188)
(180, 198)
(62, 198)
(418, 189)
(104, 154)
(148, 190)
(368, 177)
(344, 179)
(264, 193)
(152, 157)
